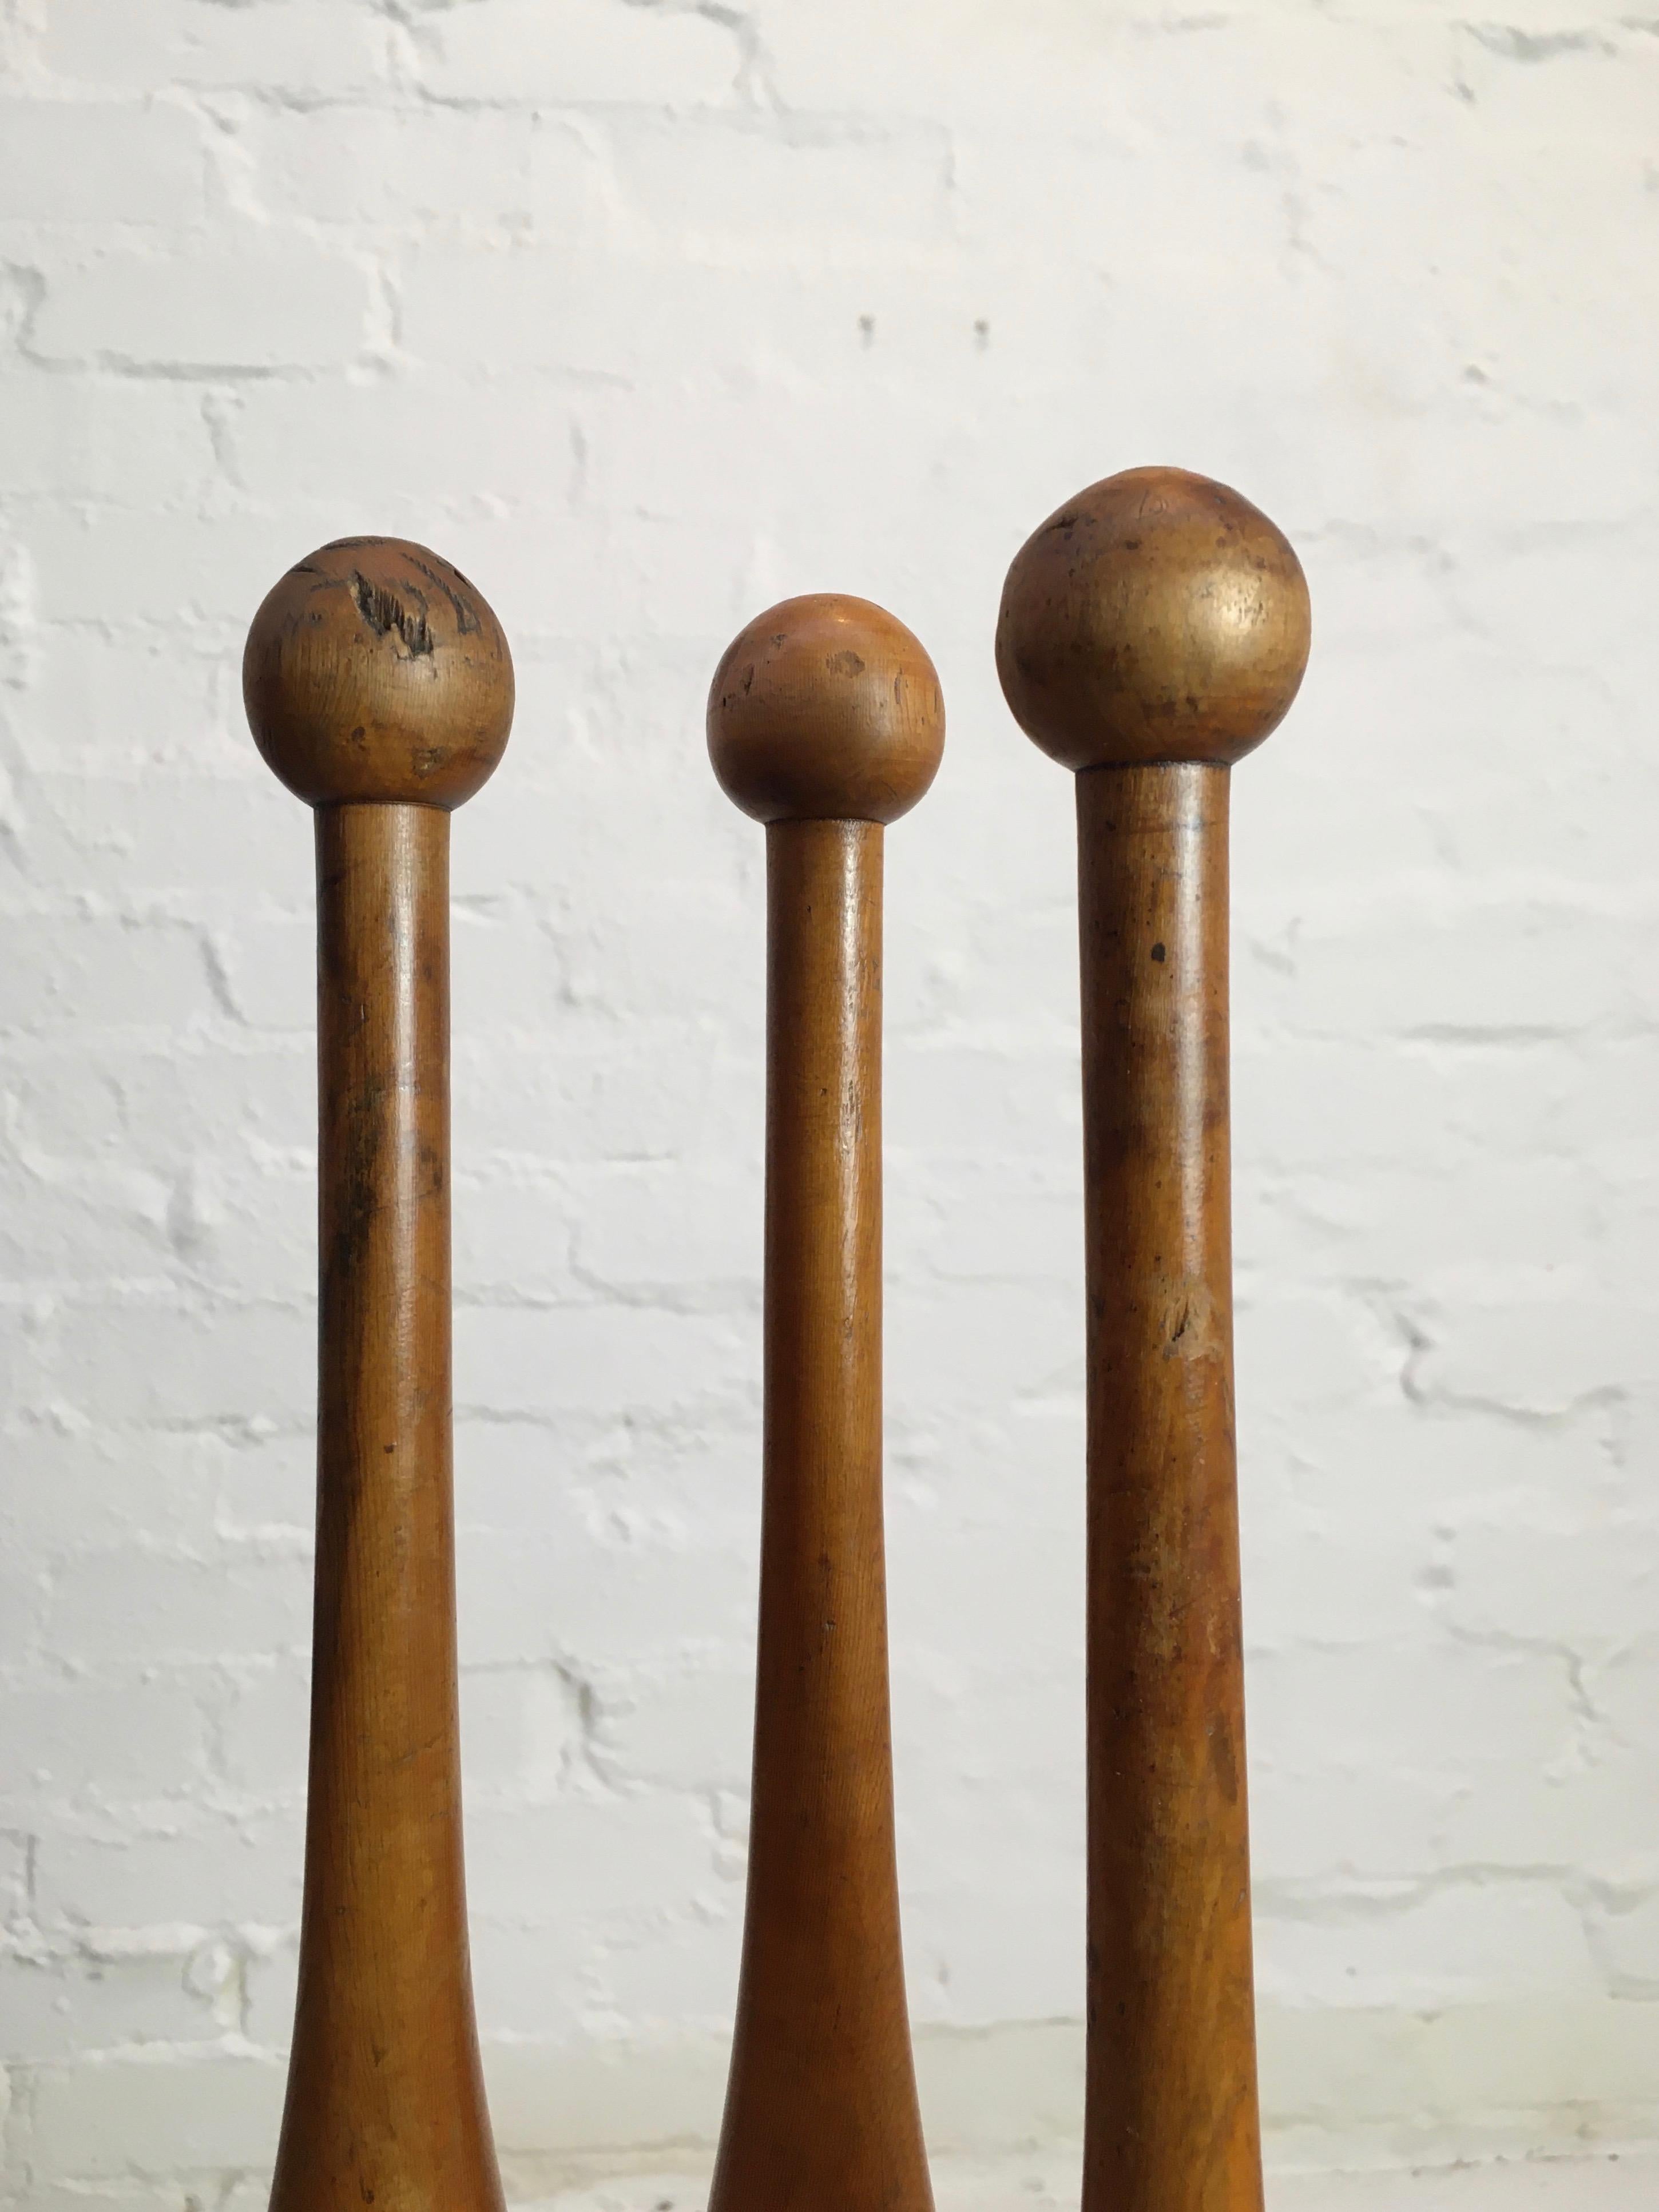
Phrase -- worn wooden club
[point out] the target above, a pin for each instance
(824, 723)
(380, 688)
(1152, 631)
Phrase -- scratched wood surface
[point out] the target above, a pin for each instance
(379, 687)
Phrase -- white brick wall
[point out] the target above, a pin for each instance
(647, 314)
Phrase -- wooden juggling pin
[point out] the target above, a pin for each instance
(380, 688)
(1151, 632)
(825, 723)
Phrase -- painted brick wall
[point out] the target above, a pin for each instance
(648, 315)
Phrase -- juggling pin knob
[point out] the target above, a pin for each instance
(825, 709)
(375, 671)
(1157, 617)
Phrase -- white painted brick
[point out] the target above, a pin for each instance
(1314, 1823)
(265, 1489)
(57, 2007)
(167, 1363)
(585, 1090)
(107, 2117)
(615, 1484)
(1589, 1584)
(1621, 1688)
(1455, 1945)
(611, 956)
(69, 969)
(739, 189)
(966, 1096)
(532, 1981)
(597, 1603)
(1602, 83)
(619, 1856)
(268, 964)
(1354, 1573)
(166, 567)
(407, 442)
(1311, 1353)
(262, 1726)
(425, 168)
(522, 1729)
(549, 307)
(301, 50)
(71, 161)
(1581, 1810)
(80, 1224)
(1449, 1709)
(1628, 1941)
(25, 1357)
(1540, 1354)
(15, 1879)
(272, 1978)
(1039, 1973)
(1546, 970)
(664, 580)
(104, 1740)
(100, 438)
(160, 1101)
(164, 826)
(265, 305)
(535, 52)
(95, 702)
(513, 1236)
(544, 1361)
(981, 1225)
(669, 1228)
(90, 1488)
(1455, 1233)
(182, 1609)
(688, 1729)
(198, 1874)
(684, 1972)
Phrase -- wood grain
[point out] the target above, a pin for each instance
(821, 2110)
(385, 2104)
(825, 707)
(1156, 616)
(1171, 2096)
(1150, 633)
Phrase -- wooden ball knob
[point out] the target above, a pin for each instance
(825, 709)
(1157, 617)
(374, 670)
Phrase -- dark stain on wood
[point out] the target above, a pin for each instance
(385, 2092)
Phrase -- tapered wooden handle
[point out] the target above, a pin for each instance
(380, 688)
(824, 721)
(1151, 632)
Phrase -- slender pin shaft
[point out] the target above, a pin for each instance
(1152, 631)
(824, 721)
(379, 687)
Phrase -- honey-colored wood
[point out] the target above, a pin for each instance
(1150, 633)
(825, 708)
(824, 721)
(379, 686)
(1156, 616)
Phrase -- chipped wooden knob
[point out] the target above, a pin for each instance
(1157, 617)
(375, 671)
(380, 688)
(825, 709)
